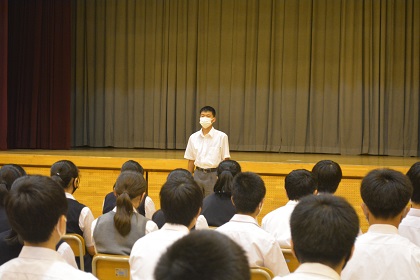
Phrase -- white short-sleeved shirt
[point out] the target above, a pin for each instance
(260, 246)
(382, 253)
(67, 253)
(85, 221)
(410, 226)
(312, 271)
(148, 249)
(208, 150)
(40, 263)
(277, 223)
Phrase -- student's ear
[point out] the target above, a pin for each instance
(365, 210)
(315, 192)
(231, 199)
(214, 120)
(292, 247)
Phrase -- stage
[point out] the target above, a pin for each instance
(99, 169)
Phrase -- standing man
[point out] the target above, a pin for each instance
(206, 149)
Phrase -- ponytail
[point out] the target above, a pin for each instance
(129, 185)
(122, 218)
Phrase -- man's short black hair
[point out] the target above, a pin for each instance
(386, 192)
(204, 255)
(248, 190)
(414, 175)
(208, 109)
(34, 205)
(180, 200)
(328, 175)
(324, 229)
(299, 183)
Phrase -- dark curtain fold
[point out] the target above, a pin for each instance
(307, 76)
(39, 74)
(3, 73)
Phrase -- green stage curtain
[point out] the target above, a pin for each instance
(303, 76)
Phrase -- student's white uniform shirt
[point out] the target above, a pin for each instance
(260, 246)
(410, 226)
(85, 221)
(277, 223)
(148, 249)
(382, 253)
(312, 271)
(208, 150)
(37, 263)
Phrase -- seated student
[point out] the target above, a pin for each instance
(79, 216)
(298, 184)
(11, 245)
(382, 253)
(248, 192)
(146, 207)
(410, 225)
(217, 207)
(328, 175)
(116, 231)
(322, 251)
(181, 201)
(8, 174)
(175, 175)
(204, 255)
(37, 207)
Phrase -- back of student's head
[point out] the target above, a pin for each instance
(204, 255)
(63, 172)
(179, 174)
(226, 170)
(328, 175)
(8, 174)
(323, 228)
(132, 165)
(248, 190)
(34, 206)
(180, 200)
(129, 185)
(208, 109)
(299, 183)
(386, 192)
(414, 175)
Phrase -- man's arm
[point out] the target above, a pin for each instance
(191, 166)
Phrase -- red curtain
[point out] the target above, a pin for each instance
(3, 74)
(39, 74)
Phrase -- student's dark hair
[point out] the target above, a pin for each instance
(208, 109)
(328, 175)
(63, 172)
(129, 185)
(131, 165)
(34, 206)
(226, 170)
(180, 200)
(414, 175)
(204, 255)
(324, 229)
(299, 183)
(386, 192)
(179, 174)
(8, 174)
(248, 190)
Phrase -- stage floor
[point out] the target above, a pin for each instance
(239, 156)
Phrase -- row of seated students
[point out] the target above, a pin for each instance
(385, 194)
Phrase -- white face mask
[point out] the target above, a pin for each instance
(205, 122)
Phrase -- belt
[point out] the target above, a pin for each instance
(206, 170)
